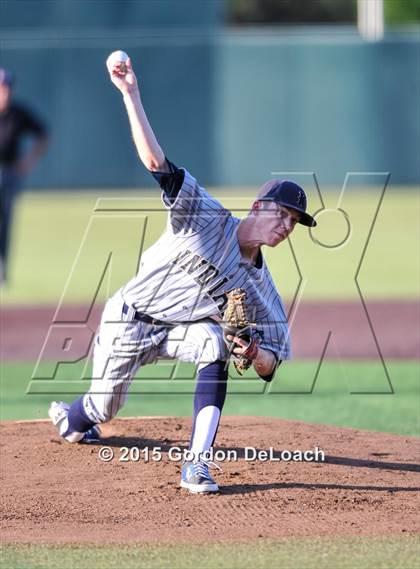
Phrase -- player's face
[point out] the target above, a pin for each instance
(276, 223)
(5, 93)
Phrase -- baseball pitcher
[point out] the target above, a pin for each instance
(203, 294)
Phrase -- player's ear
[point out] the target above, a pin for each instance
(256, 207)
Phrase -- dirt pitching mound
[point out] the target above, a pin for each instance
(52, 491)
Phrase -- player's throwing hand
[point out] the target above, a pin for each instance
(122, 74)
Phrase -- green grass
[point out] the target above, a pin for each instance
(53, 230)
(322, 553)
(332, 400)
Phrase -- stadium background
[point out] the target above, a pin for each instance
(303, 90)
(232, 104)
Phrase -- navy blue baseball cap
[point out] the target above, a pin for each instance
(6, 78)
(290, 195)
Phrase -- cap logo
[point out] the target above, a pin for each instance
(300, 198)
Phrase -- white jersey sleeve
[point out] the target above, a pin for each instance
(193, 208)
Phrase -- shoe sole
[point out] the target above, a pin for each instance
(52, 414)
(199, 488)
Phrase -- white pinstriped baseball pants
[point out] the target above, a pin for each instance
(122, 346)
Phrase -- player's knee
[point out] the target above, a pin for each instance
(215, 347)
(103, 408)
(220, 349)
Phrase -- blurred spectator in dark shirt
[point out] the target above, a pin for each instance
(16, 123)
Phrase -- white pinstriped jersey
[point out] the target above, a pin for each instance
(185, 275)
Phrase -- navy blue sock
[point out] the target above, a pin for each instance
(78, 420)
(210, 390)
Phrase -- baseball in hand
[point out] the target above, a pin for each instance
(117, 57)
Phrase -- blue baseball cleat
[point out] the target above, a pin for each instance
(93, 435)
(196, 478)
(58, 412)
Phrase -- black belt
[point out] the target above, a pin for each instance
(141, 317)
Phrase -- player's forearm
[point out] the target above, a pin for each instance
(148, 148)
(265, 362)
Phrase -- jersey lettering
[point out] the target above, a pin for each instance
(192, 264)
(209, 274)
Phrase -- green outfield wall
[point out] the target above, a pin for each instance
(322, 101)
(232, 105)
